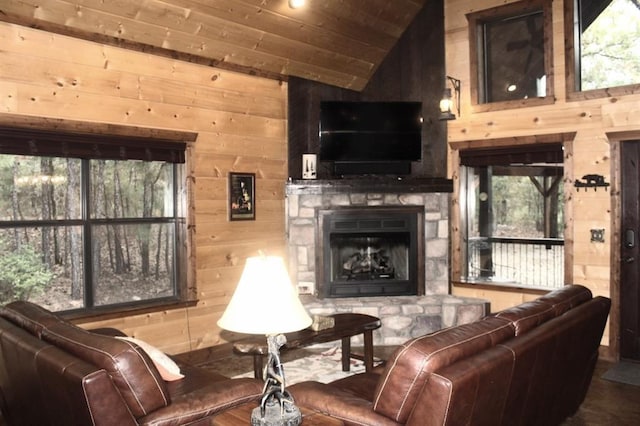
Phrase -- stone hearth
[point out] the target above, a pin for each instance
(402, 316)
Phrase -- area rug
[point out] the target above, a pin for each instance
(624, 372)
(323, 367)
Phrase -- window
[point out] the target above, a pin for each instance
(510, 54)
(88, 222)
(513, 216)
(606, 37)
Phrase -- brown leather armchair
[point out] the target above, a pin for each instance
(55, 373)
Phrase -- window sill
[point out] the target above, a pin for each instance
(611, 92)
(515, 104)
(504, 287)
(113, 312)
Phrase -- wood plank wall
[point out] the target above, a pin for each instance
(336, 42)
(594, 120)
(241, 122)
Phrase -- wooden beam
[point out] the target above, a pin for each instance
(513, 141)
(83, 127)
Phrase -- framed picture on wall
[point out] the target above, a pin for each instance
(242, 196)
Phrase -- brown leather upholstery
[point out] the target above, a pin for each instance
(53, 372)
(527, 315)
(556, 362)
(566, 298)
(130, 369)
(530, 364)
(412, 363)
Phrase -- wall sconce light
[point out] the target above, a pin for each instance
(295, 4)
(446, 103)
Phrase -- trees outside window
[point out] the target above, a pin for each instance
(81, 233)
(513, 218)
(606, 36)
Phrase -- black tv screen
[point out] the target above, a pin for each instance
(370, 131)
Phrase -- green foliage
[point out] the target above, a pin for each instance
(610, 47)
(22, 274)
(518, 200)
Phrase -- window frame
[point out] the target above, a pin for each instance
(480, 247)
(458, 234)
(572, 62)
(476, 20)
(79, 136)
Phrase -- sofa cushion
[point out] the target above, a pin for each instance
(338, 403)
(408, 368)
(567, 297)
(362, 385)
(29, 316)
(527, 315)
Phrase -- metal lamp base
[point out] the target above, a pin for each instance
(277, 407)
(275, 416)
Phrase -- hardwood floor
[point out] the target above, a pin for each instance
(608, 403)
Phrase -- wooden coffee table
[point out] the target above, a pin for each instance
(241, 416)
(346, 326)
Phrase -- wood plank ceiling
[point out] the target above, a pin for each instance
(337, 42)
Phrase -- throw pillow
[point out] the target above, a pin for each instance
(167, 368)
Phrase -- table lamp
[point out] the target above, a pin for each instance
(265, 302)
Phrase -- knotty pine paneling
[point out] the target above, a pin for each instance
(335, 42)
(241, 124)
(590, 263)
(499, 299)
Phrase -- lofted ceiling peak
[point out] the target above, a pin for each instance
(336, 42)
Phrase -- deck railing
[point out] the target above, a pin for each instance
(523, 262)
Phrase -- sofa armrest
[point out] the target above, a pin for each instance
(338, 403)
(206, 401)
(108, 331)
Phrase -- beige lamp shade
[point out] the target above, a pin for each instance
(265, 301)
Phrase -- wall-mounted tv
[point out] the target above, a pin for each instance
(370, 133)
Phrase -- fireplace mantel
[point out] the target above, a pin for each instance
(372, 184)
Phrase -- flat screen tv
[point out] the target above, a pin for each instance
(371, 133)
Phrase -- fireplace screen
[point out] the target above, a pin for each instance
(369, 251)
(382, 257)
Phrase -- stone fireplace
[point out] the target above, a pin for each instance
(374, 220)
(309, 200)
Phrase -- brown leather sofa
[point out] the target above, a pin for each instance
(55, 373)
(528, 365)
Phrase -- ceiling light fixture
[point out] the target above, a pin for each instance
(446, 103)
(295, 4)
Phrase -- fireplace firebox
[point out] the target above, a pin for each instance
(371, 251)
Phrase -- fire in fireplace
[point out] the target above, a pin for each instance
(370, 258)
(370, 251)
